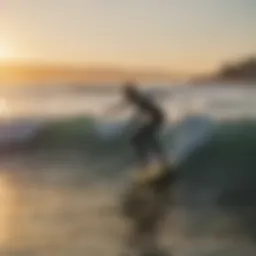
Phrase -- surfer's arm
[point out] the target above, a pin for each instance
(120, 106)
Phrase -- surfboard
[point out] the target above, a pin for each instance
(189, 136)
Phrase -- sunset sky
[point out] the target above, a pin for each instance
(192, 36)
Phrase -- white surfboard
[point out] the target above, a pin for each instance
(189, 136)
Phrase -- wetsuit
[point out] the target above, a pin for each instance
(146, 138)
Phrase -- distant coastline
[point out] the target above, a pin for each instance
(239, 72)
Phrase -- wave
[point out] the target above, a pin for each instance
(105, 137)
(229, 147)
(94, 135)
(225, 149)
(218, 171)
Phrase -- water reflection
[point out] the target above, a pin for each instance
(50, 217)
(6, 208)
(43, 211)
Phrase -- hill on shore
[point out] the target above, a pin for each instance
(242, 70)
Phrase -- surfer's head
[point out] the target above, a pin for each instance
(130, 90)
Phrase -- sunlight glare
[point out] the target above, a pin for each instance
(4, 210)
(6, 52)
(3, 107)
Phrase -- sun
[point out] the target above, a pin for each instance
(6, 52)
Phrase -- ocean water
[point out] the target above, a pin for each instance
(64, 164)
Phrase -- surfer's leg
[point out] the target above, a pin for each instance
(155, 142)
(158, 149)
(140, 144)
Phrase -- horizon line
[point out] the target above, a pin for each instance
(101, 67)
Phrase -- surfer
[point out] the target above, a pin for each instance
(145, 139)
(145, 206)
